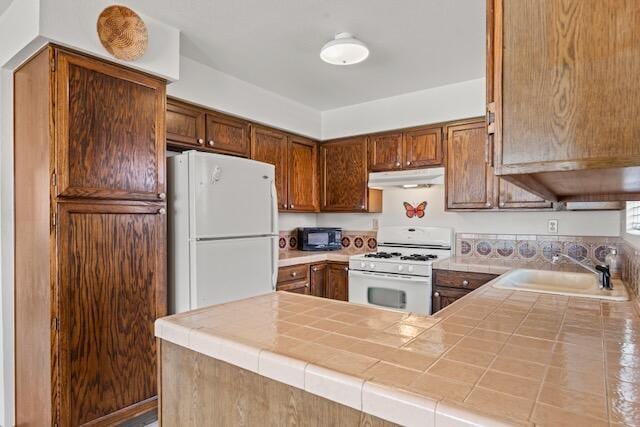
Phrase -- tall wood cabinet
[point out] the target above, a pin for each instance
(90, 239)
(564, 96)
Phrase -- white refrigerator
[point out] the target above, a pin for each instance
(222, 229)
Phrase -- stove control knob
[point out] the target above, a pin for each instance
(363, 264)
(410, 268)
(400, 268)
(372, 265)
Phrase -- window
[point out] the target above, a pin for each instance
(633, 217)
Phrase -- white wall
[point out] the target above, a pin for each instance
(603, 223)
(290, 221)
(457, 101)
(211, 88)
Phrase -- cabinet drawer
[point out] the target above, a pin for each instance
(461, 279)
(297, 287)
(293, 273)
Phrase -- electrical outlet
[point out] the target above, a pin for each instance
(374, 223)
(552, 226)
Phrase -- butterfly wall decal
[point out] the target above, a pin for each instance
(417, 212)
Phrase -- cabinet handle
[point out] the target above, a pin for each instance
(200, 141)
(397, 164)
(211, 143)
(291, 206)
(307, 285)
(314, 269)
(362, 206)
(346, 269)
(294, 273)
(284, 205)
(408, 162)
(162, 196)
(162, 211)
(437, 294)
(465, 283)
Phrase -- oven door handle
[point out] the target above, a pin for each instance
(397, 277)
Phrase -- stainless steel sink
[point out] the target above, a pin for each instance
(560, 283)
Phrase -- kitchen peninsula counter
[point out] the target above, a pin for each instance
(495, 357)
(295, 257)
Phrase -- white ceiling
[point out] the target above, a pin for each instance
(275, 44)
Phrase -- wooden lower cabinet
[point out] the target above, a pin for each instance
(449, 286)
(325, 279)
(337, 281)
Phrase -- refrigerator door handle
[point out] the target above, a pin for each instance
(274, 227)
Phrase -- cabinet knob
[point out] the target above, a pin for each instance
(162, 211)
(162, 196)
(211, 143)
(465, 283)
(362, 206)
(437, 294)
(397, 164)
(284, 205)
(200, 141)
(488, 204)
(314, 269)
(307, 285)
(294, 273)
(346, 269)
(408, 162)
(291, 206)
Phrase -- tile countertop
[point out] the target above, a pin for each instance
(494, 357)
(497, 266)
(295, 257)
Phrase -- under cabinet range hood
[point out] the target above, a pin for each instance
(407, 178)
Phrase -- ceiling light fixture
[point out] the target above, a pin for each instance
(344, 49)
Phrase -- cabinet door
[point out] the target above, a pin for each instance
(111, 289)
(303, 183)
(513, 197)
(185, 126)
(110, 130)
(385, 151)
(470, 179)
(319, 280)
(567, 93)
(442, 297)
(227, 135)
(270, 146)
(423, 147)
(338, 281)
(343, 170)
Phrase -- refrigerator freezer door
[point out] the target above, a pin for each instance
(232, 197)
(231, 269)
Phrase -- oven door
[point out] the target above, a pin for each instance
(408, 293)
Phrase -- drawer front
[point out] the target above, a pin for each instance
(298, 287)
(461, 279)
(293, 273)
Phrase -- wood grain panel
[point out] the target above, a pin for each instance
(197, 389)
(457, 279)
(270, 146)
(337, 286)
(293, 273)
(303, 183)
(111, 281)
(423, 147)
(318, 279)
(110, 130)
(343, 169)
(443, 297)
(228, 135)
(512, 196)
(185, 126)
(33, 154)
(385, 151)
(569, 89)
(470, 180)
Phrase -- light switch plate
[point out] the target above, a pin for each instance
(552, 226)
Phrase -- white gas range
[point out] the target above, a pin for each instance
(399, 275)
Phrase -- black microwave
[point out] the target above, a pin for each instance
(319, 239)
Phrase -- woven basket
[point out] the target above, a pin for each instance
(122, 33)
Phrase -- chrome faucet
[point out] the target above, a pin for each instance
(601, 271)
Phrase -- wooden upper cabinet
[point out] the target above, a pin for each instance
(343, 175)
(563, 80)
(423, 147)
(110, 130)
(470, 180)
(270, 146)
(303, 182)
(185, 125)
(111, 291)
(512, 196)
(227, 135)
(385, 151)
